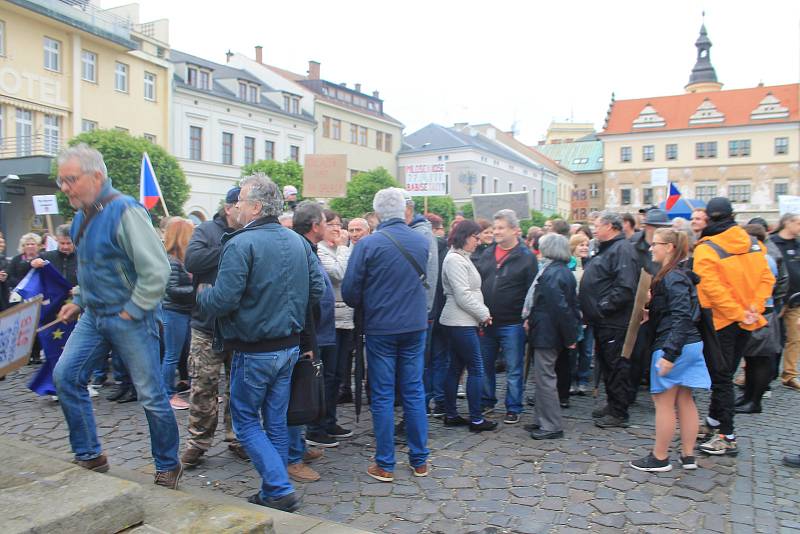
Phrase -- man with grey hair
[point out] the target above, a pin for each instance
(263, 267)
(607, 291)
(385, 279)
(356, 229)
(286, 219)
(507, 269)
(63, 259)
(123, 275)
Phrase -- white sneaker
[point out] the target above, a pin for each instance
(92, 392)
(462, 393)
(54, 398)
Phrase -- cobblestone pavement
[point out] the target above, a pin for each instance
(494, 482)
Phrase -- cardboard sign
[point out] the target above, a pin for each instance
(485, 206)
(425, 180)
(642, 294)
(659, 177)
(325, 175)
(788, 204)
(45, 205)
(17, 332)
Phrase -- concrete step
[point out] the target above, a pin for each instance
(39, 493)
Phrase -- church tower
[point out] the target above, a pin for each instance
(703, 78)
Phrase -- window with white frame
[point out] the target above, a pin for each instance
(150, 137)
(739, 193)
(269, 150)
(52, 134)
(249, 150)
(287, 102)
(253, 93)
(88, 66)
(594, 190)
(24, 132)
(781, 146)
(705, 192)
(121, 77)
(625, 196)
(294, 153)
(510, 187)
(88, 126)
(495, 185)
(191, 76)
(672, 151)
(483, 183)
(242, 90)
(204, 80)
(647, 196)
(52, 54)
(227, 148)
(149, 86)
(648, 152)
(195, 143)
(625, 154)
(738, 148)
(2, 38)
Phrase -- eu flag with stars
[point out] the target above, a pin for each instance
(53, 340)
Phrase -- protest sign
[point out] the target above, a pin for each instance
(17, 332)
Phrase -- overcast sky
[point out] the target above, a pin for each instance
(497, 61)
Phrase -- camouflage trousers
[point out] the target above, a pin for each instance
(204, 370)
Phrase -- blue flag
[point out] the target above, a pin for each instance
(53, 340)
(49, 283)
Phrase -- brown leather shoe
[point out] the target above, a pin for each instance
(192, 457)
(237, 449)
(379, 473)
(421, 470)
(793, 383)
(169, 479)
(300, 472)
(98, 465)
(313, 453)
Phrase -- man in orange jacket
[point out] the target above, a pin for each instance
(735, 282)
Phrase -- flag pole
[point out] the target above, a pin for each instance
(163, 205)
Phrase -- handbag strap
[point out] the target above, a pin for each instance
(93, 210)
(422, 276)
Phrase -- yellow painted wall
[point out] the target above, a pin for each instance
(24, 58)
(360, 158)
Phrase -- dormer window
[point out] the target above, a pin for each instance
(198, 77)
(769, 108)
(649, 118)
(248, 92)
(291, 104)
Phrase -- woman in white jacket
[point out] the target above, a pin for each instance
(464, 311)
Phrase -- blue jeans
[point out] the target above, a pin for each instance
(436, 370)
(260, 388)
(136, 344)
(297, 444)
(582, 368)
(118, 371)
(176, 328)
(405, 355)
(466, 353)
(512, 338)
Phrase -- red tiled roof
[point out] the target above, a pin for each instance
(735, 104)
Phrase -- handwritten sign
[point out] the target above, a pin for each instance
(17, 333)
(425, 180)
(325, 175)
(45, 205)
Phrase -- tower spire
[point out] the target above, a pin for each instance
(703, 77)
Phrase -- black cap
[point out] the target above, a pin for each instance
(232, 197)
(719, 208)
(657, 217)
(759, 220)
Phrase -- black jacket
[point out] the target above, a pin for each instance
(643, 256)
(790, 249)
(4, 289)
(180, 294)
(554, 319)
(608, 286)
(202, 260)
(438, 299)
(504, 288)
(66, 264)
(675, 312)
(18, 267)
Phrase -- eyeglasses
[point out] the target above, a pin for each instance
(476, 236)
(334, 225)
(660, 243)
(69, 180)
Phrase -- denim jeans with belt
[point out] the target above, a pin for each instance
(260, 388)
(466, 353)
(400, 357)
(512, 339)
(176, 328)
(136, 344)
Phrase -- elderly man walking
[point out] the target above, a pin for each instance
(122, 274)
(607, 291)
(263, 267)
(385, 278)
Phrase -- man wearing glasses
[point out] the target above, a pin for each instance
(607, 292)
(122, 273)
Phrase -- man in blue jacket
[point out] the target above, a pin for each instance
(268, 277)
(383, 279)
(122, 274)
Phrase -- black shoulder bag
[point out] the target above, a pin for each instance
(407, 255)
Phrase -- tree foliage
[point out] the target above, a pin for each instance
(282, 173)
(360, 192)
(442, 206)
(123, 157)
(468, 210)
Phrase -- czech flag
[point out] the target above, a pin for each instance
(673, 196)
(149, 190)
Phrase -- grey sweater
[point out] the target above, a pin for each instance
(461, 283)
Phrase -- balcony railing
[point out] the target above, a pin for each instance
(30, 145)
(83, 12)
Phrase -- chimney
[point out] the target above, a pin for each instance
(460, 125)
(259, 54)
(313, 70)
(376, 94)
(358, 87)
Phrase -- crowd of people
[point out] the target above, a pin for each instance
(673, 305)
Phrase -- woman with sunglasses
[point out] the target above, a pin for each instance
(678, 364)
(464, 311)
